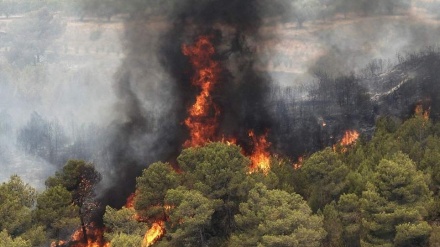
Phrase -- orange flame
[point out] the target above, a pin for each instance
(229, 141)
(58, 243)
(350, 137)
(156, 231)
(298, 164)
(95, 238)
(130, 201)
(260, 157)
(419, 111)
(202, 119)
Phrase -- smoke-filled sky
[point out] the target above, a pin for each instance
(114, 90)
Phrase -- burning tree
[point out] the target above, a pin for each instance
(80, 179)
(124, 225)
(213, 180)
(203, 115)
(204, 203)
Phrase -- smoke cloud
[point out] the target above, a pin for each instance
(154, 84)
(295, 69)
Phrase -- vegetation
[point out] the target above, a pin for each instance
(379, 192)
(32, 219)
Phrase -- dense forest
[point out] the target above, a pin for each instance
(383, 191)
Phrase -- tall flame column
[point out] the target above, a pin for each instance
(202, 120)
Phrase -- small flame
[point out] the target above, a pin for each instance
(260, 157)
(350, 137)
(168, 208)
(229, 141)
(298, 164)
(156, 232)
(419, 111)
(130, 201)
(58, 243)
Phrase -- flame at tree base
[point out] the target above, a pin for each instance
(260, 157)
(95, 238)
(153, 234)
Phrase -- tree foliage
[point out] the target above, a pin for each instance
(202, 204)
(378, 192)
(80, 179)
(56, 212)
(190, 218)
(276, 218)
(124, 226)
(152, 188)
(7, 241)
(16, 202)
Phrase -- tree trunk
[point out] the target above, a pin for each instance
(83, 226)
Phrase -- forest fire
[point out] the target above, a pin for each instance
(203, 114)
(202, 119)
(202, 123)
(260, 157)
(350, 137)
(95, 238)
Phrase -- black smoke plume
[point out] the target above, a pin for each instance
(153, 103)
(154, 87)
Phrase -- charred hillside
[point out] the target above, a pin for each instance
(416, 80)
(354, 101)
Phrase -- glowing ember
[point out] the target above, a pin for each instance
(202, 119)
(298, 164)
(350, 137)
(59, 243)
(156, 231)
(260, 157)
